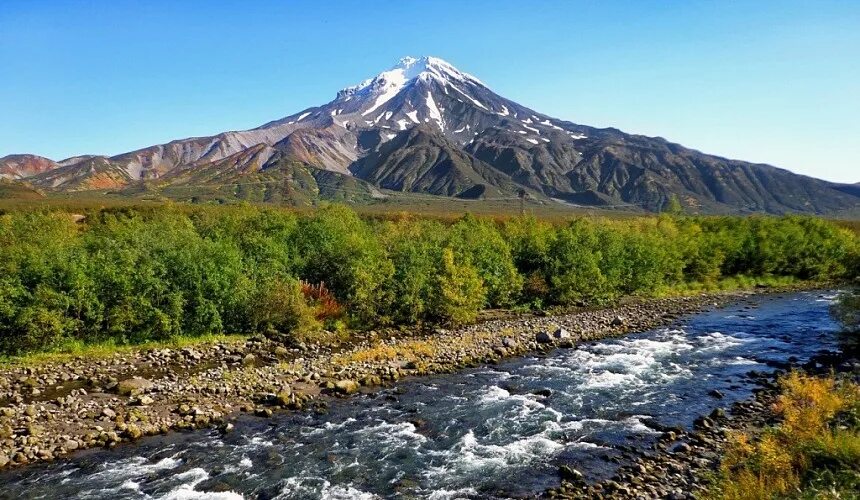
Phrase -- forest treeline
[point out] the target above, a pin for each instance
(131, 275)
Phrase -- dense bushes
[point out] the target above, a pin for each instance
(132, 275)
(814, 452)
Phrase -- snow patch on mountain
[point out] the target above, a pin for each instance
(467, 96)
(435, 114)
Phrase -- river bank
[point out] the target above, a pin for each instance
(54, 409)
(683, 462)
(497, 430)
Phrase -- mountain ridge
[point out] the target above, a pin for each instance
(470, 142)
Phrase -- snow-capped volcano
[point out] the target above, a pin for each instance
(425, 90)
(407, 71)
(425, 126)
(373, 93)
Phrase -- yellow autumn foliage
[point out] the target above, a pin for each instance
(774, 464)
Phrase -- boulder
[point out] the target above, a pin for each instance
(617, 321)
(703, 423)
(133, 386)
(6, 431)
(682, 448)
(283, 397)
(543, 338)
(569, 474)
(133, 432)
(109, 383)
(191, 354)
(143, 400)
(561, 333)
(346, 386)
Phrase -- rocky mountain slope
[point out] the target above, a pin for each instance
(426, 127)
(23, 166)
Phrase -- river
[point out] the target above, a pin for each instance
(495, 431)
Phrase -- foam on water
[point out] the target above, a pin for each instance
(130, 485)
(316, 487)
(330, 426)
(469, 456)
(346, 493)
(443, 494)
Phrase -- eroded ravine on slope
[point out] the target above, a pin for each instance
(493, 431)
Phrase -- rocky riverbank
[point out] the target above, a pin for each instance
(680, 464)
(53, 409)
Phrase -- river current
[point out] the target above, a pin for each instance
(495, 431)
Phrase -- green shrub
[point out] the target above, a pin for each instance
(574, 266)
(336, 247)
(131, 275)
(482, 243)
(460, 291)
(281, 307)
(415, 250)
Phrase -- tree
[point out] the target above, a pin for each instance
(673, 206)
(460, 291)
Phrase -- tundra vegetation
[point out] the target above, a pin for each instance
(814, 452)
(128, 275)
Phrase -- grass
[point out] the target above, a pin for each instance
(17, 198)
(72, 348)
(813, 453)
(729, 283)
(411, 350)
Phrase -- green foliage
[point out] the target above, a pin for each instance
(846, 309)
(460, 290)
(574, 267)
(415, 249)
(281, 307)
(128, 275)
(673, 206)
(480, 242)
(336, 247)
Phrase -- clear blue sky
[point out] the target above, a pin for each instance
(775, 82)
